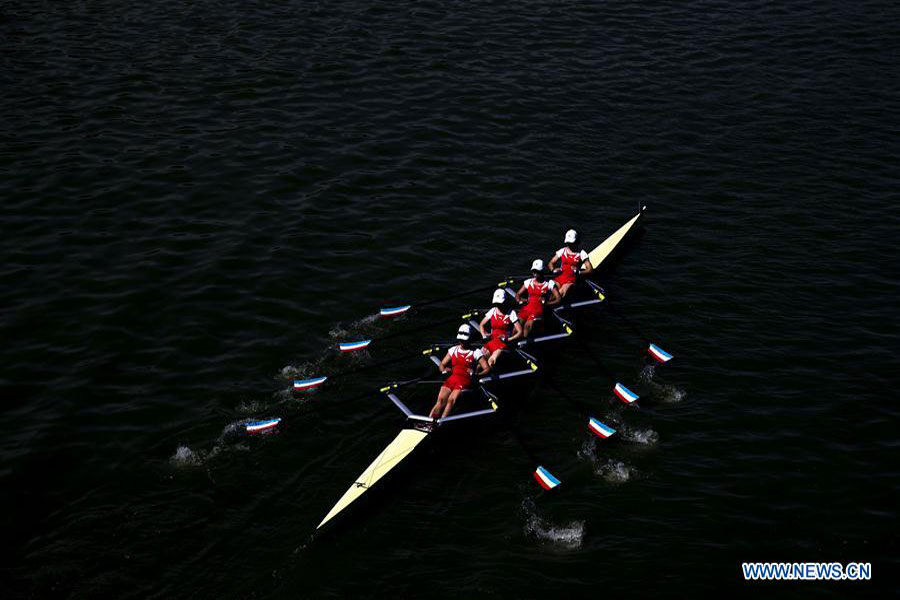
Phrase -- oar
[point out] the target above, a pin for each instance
(541, 474)
(399, 384)
(399, 310)
(595, 426)
(352, 346)
(362, 344)
(301, 385)
(652, 349)
(619, 389)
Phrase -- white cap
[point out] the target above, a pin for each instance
(464, 333)
(571, 236)
(499, 296)
(537, 265)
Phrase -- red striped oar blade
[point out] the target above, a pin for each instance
(545, 478)
(659, 354)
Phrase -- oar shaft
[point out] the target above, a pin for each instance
(505, 418)
(627, 322)
(409, 330)
(463, 293)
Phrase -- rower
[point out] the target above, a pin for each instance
(538, 288)
(574, 260)
(501, 321)
(463, 357)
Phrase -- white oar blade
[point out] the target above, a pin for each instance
(599, 429)
(353, 346)
(308, 384)
(624, 394)
(545, 478)
(263, 426)
(393, 312)
(659, 354)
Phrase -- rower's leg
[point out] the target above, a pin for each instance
(448, 407)
(438, 407)
(494, 356)
(564, 289)
(527, 327)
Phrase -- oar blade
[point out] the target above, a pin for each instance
(599, 429)
(659, 354)
(545, 478)
(624, 394)
(263, 426)
(308, 384)
(394, 311)
(353, 346)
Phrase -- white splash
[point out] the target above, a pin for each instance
(612, 470)
(184, 457)
(665, 392)
(249, 407)
(616, 471)
(569, 536)
(646, 437)
(358, 327)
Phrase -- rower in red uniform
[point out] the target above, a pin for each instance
(462, 358)
(501, 323)
(573, 259)
(538, 289)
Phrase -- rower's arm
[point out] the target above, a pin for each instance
(551, 264)
(481, 325)
(519, 294)
(484, 366)
(517, 331)
(586, 267)
(555, 298)
(445, 364)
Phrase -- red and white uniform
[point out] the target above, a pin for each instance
(463, 367)
(501, 325)
(537, 290)
(570, 263)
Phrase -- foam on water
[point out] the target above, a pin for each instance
(610, 469)
(304, 370)
(364, 326)
(568, 536)
(185, 458)
(616, 471)
(247, 407)
(664, 392)
(231, 438)
(645, 437)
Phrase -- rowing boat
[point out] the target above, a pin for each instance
(418, 427)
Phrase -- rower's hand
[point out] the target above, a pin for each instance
(445, 371)
(504, 338)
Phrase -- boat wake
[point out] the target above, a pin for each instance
(365, 325)
(303, 370)
(568, 537)
(665, 392)
(251, 407)
(615, 471)
(325, 365)
(231, 439)
(645, 437)
(185, 458)
(612, 470)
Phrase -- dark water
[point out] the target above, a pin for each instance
(200, 199)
